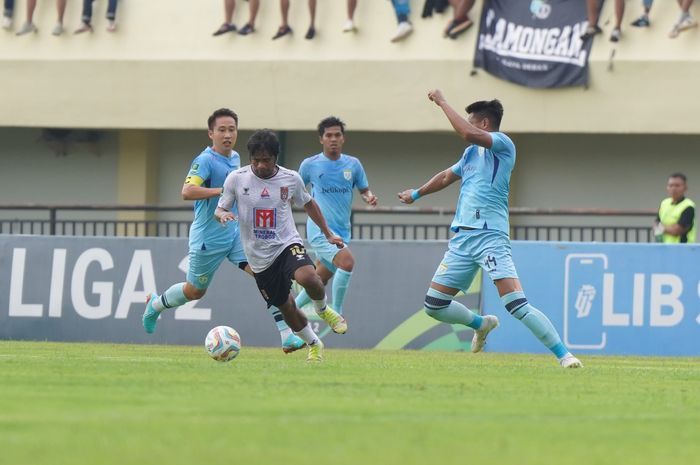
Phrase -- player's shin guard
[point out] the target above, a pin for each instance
(443, 308)
(536, 321)
(341, 281)
(171, 298)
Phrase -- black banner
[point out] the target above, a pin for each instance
(535, 43)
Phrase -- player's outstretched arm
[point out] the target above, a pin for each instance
(317, 217)
(466, 130)
(437, 183)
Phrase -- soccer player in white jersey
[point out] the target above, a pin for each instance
(210, 244)
(263, 193)
(481, 229)
(333, 176)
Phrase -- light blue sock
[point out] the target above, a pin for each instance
(442, 307)
(536, 321)
(341, 281)
(173, 297)
(279, 320)
(302, 299)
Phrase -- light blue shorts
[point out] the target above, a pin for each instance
(204, 263)
(469, 250)
(324, 251)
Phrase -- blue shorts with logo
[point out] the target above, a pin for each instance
(204, 263)
(469, 250)
(325, 251)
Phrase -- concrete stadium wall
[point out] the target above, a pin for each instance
(163, 70)
(552, 171)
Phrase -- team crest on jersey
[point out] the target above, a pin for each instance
(265, 223)
(284, 193)
(265, 193)
(480, 151)
(347, 174)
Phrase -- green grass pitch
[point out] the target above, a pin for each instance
(135, 404)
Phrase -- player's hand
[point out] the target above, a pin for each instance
(370, 198)
(436, 96)
(405, 196)
(225, 217)
(336, 241)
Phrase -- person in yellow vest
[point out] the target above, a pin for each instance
(675, 223)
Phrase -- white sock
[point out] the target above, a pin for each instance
(284, 334)
(307, 335)
(320, 305)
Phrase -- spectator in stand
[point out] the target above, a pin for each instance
(249, 27)
(9, 8)
(29, 26)
(285, 29)
(86, 18)
(405, 28)
(228, 26)
(350, 23)
(460, 18)
(593, 11)
(643, 21)
(685, 22)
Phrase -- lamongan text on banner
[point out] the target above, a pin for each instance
(534, 43)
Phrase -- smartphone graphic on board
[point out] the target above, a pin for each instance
(583, 301)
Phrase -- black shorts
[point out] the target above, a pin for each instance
(275, 282)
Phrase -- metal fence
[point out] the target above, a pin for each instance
(382, 223)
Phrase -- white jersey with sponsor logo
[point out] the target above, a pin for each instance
(265, 212)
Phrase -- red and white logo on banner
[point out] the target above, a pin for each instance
(265, 218)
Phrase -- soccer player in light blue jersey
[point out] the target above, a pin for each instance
(333, 176)
(481, 229)
(210, 242)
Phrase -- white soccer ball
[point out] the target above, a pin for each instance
(223, 343)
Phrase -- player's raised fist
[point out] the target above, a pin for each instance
(436, 96)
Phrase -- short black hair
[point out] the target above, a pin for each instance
(264, 141)
(680, 176)
(490, 109)
(221, 112)
(329, 123)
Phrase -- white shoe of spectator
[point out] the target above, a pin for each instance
(26, 29)
(57, 29)
(6, 23)
(112, 26)
(404, 30)
(686, 23)
(349, 26)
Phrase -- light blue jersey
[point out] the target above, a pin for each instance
(483, 196)
(210, 169)
(332, 183)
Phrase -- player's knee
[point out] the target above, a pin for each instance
(345, 261)
(306, 276)
(193, 293)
